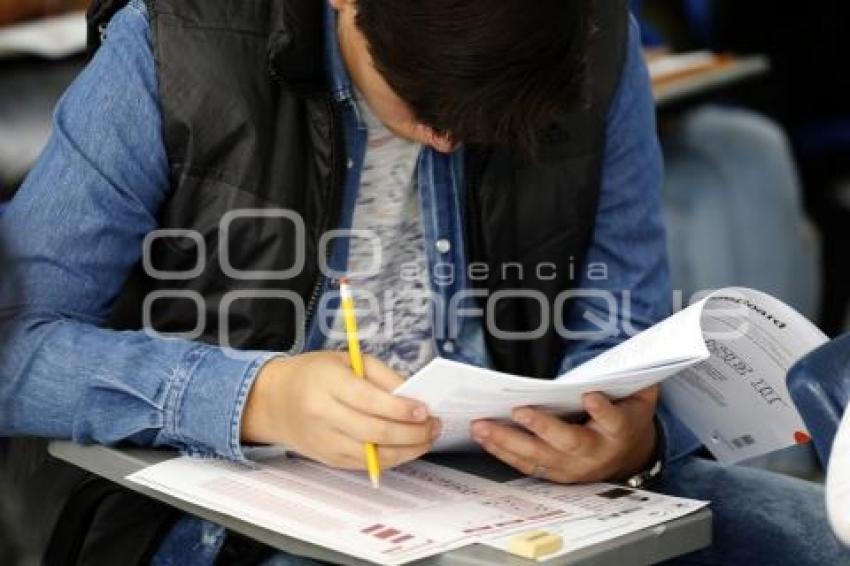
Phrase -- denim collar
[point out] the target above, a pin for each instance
(338, 75)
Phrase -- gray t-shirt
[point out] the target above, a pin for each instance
(396, 327)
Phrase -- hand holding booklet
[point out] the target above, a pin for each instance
(723, 362)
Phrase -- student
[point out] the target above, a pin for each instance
(469, 138)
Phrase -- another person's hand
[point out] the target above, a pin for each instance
(617, 442)
(315, 405)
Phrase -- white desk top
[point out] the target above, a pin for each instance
(739, 70)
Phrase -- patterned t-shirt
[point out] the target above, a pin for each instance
(396, 326)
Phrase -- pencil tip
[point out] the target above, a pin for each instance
(376, 483)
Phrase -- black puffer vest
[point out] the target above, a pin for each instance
(249, 123)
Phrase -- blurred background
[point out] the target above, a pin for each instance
(754, 118)
(772, 140)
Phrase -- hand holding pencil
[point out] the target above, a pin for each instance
(314, 404)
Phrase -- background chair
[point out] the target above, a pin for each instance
(820, 387)
(732, 195)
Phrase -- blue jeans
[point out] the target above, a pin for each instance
(760, 517)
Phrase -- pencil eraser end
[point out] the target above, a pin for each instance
(535, 544)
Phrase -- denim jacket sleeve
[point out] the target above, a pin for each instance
(68, 241)
(626, 282)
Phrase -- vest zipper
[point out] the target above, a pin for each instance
(311, 304)
(337, 174)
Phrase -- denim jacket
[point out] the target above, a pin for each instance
(75, 230)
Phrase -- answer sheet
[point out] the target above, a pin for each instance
(420, 510)
(616, 512)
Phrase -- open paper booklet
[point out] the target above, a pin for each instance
(723, 362)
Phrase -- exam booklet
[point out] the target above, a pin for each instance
(722, 361)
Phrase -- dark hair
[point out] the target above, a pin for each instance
(489, 72)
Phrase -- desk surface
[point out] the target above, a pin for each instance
(737, 71)
(645, 547)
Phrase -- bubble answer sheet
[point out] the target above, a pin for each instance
(421, 509)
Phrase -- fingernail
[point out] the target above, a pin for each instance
(481, 432)
(437, 430)
(420, 413)
(523, 418)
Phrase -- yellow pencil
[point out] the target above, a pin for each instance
(372, 462)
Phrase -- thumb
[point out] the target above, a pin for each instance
(646, 399)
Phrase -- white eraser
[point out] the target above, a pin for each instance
(535, 544)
